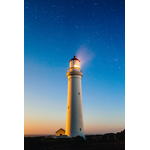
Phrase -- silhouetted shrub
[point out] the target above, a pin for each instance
(94, 142)
(77, 141)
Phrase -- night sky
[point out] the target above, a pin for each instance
(54, 31)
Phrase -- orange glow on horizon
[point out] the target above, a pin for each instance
(50, 127)
(42, 126)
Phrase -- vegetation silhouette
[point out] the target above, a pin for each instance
(109, 141)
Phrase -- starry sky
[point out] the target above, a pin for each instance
(55, 30)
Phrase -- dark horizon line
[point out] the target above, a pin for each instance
(85, 134)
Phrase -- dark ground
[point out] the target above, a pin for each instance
(108, 141)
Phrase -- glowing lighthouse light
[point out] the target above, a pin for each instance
(74, 124)
(76, 66)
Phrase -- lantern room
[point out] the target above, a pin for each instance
(74, 63)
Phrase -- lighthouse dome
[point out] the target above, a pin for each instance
(74, 58)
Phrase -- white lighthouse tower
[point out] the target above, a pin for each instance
(74, 124)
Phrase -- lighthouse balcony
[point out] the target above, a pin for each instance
(71, 72)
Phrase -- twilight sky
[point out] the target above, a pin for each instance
(54, 31)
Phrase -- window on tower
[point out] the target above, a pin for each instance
(78, 93)
(80, 129)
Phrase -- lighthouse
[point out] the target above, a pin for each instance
(74, 124)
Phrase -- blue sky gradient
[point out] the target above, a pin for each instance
(53, 32)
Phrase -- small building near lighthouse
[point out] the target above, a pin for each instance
(60, 132)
